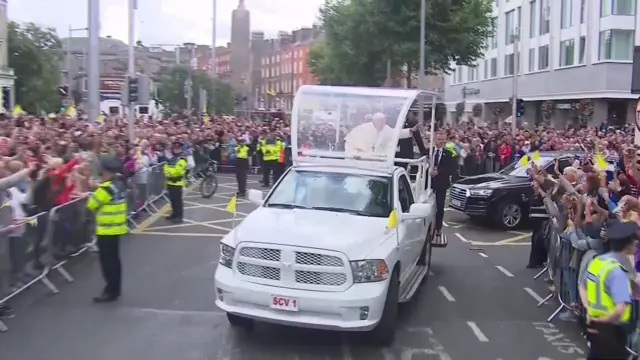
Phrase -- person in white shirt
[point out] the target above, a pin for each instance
(374, 137)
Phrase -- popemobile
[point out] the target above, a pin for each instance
(346, 234)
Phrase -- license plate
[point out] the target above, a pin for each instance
(284, 303)
(456, 203)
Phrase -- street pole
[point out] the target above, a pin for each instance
(514, 96)
(131, 118)
(214, 69)
(93, 68)
(68, 63)
(190, 84)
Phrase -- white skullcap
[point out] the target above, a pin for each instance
(379, 116)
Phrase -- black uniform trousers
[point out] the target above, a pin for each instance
(278, 171)
(175, 198)
(268, 168)
(441, 196)
(242, 166)
(608, 343)
(109, 246)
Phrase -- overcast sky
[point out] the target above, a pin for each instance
(168, 21)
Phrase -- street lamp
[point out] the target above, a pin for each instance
(188, 84)
(68, 58)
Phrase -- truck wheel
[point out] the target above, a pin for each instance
(510, 215)
(384, 333)
(240, 322)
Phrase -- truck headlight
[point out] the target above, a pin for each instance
(226, 255)
(481, 192)
(365, 271)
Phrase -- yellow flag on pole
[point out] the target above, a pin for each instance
(231, 206)
(600, 162)
(392, 221)
(17, 110)
(524, 160)
(536, 155)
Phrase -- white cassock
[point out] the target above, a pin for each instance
(365, 138)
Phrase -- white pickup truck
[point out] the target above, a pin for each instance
(337, 244)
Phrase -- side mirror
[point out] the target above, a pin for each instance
(418, 211)
(255, 197)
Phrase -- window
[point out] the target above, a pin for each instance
(532, 19)
(486, 68)
(508, 65)
(583, 9)
(616, 45)
(494, 68)
(453, 76)
(405, 195)
(532, 60)
(460, 76)
(545, 10)
(582, 52)
(494, 37)
(566, 14)
(509, 27)
(543, 57)
(472, 73)
(617, 7)
(567, 51)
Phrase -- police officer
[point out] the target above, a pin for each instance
(270, 152)
(242, 165)
(109, 203)
(175, 171)
(280, 166)
(606, 293)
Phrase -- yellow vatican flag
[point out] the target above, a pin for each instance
(600, 162)
(100, 118)
(71, 111)
(17, 110)
(536, 155)
(231, 206)
(205, 119)
(392, 221)
(524, 160)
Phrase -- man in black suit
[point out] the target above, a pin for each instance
(405, 146)
(441, 171)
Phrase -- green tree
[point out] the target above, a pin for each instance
(362, 35)
(171, 91)
(34, 54)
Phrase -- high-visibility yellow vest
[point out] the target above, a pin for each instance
(109, 203)
(242, 151)
(261, 145)
(175, 171)
(600, 304)
(270, 152)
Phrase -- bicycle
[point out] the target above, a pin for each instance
(209, 183)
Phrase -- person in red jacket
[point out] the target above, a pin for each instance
(504, 153)
(59, 172)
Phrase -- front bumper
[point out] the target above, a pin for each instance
(470, 205)
(316, 309)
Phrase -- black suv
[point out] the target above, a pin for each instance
(504, 197)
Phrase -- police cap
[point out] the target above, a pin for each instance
(110, 164)
(615, 229)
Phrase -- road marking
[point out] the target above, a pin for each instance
(446, 293)
(431, 273)
(208, 225)
(445, 224)
(534, 294)
(477, 332)
(497, 243)
(181, 234)
(515, 239)
(462, 238)
(483, 254)
(518, 232)
(162, 211)
(504, 271)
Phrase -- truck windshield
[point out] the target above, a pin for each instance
(356, 194)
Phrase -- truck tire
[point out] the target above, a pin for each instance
(240, 322)
(384, 333)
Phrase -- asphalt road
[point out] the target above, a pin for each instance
(479, 303)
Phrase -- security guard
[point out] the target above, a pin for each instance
(242, 165)
(175, 171)
(262, 141)
(270, 151)
(280, 166)
(606, 293)
(109, 203)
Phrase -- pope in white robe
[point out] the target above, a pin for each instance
(373, 137)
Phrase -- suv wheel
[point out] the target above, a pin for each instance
(510, 215)
(240, 322)
(384, 333)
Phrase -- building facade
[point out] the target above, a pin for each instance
(7, 78)
(223, 67)
(574, 63)
(258, 48)
(240, 61)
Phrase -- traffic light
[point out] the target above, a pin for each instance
(133, 90)
(519, 108)
(63, 91)
(6, 98)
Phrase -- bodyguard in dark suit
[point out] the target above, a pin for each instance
(405, 146)
(443, 167)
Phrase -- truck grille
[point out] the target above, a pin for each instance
(286, 267)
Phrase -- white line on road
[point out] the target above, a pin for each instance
(462, 238)
(483, 254)
(534, 294)
(445, 224)
(504, 271)
(446, 293)
(477, 332)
